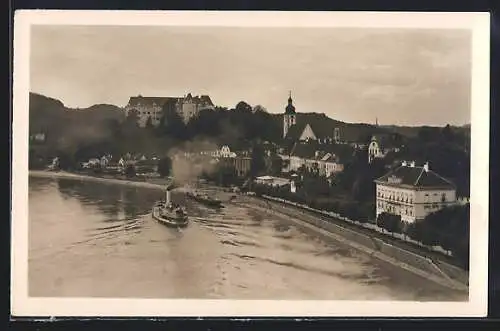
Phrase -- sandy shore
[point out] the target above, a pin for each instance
(63, 174)
(158, 184)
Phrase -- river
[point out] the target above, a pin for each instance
(89, 239)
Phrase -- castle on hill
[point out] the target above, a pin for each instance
(152, 108)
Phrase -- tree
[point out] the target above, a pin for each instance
(243, 107)
(390, 222)
(164, 166)
(173, 124)
(226, 175)
(257, 163)
(130, 171)
(132, 116)
(259, 108)
(276, 165)
(149, 123)
(66, 160)
(449, 228)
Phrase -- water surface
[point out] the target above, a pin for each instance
(89, 239)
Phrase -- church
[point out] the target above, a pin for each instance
(312, 128)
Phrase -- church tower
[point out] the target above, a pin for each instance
(290, 117)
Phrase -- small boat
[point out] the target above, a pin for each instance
(205, 199)
(170, 214)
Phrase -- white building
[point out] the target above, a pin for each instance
(303, 154)
(413, 192)
(224, 152)
(379, 147)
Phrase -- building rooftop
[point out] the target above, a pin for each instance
(413, 176)
(324, 127)
(160, 101)
(149, 101)
(320, 152)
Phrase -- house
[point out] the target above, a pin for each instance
(38, 137)
(413, 192)
(329, 164)
(104, 161)
(55, 164)
(322, 159)
(380, 146)
(223, 152)
(242, 164)
(186, 107)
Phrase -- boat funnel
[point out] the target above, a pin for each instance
(167, 196)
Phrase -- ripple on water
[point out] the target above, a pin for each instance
(89, 241)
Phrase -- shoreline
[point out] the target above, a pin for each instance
(338, 238)
(69, 175)
(322, 232)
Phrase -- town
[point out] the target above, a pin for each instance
(409, 183)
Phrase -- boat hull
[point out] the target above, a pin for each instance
(210, 203)
(173, 222)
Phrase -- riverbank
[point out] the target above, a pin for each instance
(309, 222)
(152, 183)
(69, 175)
(434, 270)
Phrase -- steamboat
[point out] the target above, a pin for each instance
(168, 213)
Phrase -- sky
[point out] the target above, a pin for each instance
(398, 76)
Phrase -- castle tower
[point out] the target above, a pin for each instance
(290, 117)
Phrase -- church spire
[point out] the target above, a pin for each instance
(290, 109)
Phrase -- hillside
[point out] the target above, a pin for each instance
(61, 124)
(65, 126)
(412, 131)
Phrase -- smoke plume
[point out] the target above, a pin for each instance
(191, 160)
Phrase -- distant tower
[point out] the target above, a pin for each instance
(290, 117)
(376, 121)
